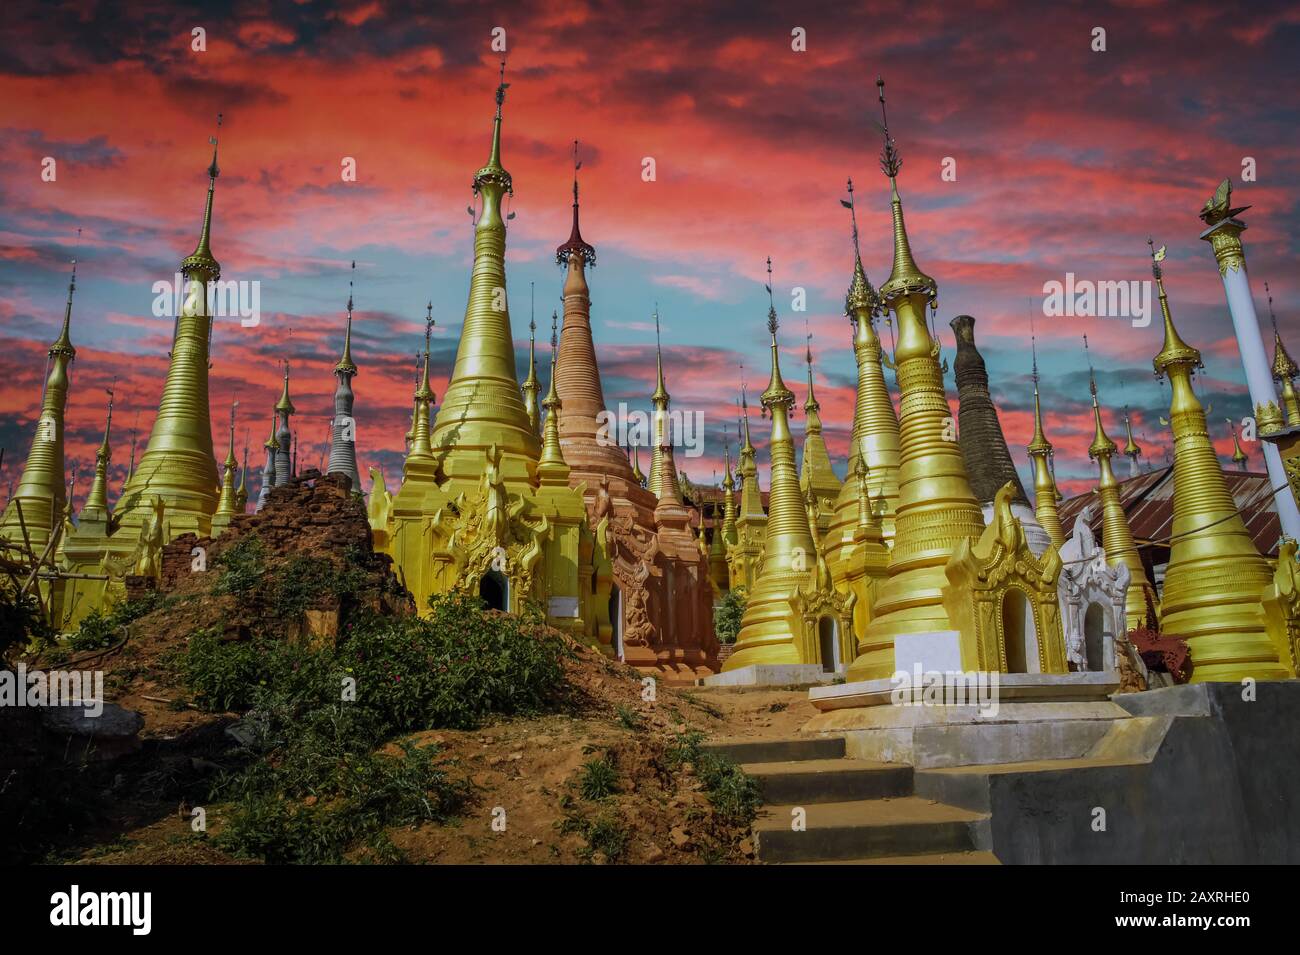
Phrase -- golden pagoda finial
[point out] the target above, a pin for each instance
(1040, 455)
(906, 278)
(747, 446)
(63, 344)
(810, 406)
(776, 393)
(201, 258)
(273, 443)
(424, 397)
(661, 391)
(531, 386)
(494, 172)
(637, 474)
(861, 303)
(551, 465)
(97, 499)
(1101, 444)
(661, 471)
(1131, 448)
(1175, 350)
(1239, 457)
(1284, 369)
(285, 404)
(346, 365)
(227, 502)
(241, 492)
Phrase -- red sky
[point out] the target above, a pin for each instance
(1066, 160)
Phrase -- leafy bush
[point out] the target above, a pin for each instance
(314, 786)
(727, 615)
(455, 667)
(101, 630)
(21, 621)
(242, 565)
(304, 579)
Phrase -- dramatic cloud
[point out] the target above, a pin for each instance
(1065, 161)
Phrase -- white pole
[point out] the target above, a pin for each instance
(1225, 238)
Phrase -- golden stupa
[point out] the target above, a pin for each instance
(937, 510)
(41, 496)
(793, 613)
(1216, 580)
(1116, 535)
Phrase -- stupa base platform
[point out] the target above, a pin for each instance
(1028, 717)
(772, 674)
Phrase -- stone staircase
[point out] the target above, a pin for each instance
(855, 811)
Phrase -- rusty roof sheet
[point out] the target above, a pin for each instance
(1148, 501)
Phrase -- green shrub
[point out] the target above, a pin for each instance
(733, 793)
(21, 621)
(357, 800)
(242, 566)
(727, 615)
(454, 668)
(599, 778)
(99, 631)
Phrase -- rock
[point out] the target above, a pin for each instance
(680, 837)
(516, 756)
(747, 848)
(688, 769)
(599, 858)
(112, 733)
(654, 854)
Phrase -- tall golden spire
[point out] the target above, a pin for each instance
(551, 468)
(816, 475)
(226, 504)
(421, 444)
(241, 492)
(1116, 536)
(1132, 450)
(531, 386)
(483, 406)
(769, 624)
(285, 452)
(41, 491)
(1215, 577)
(875, 434)
(96, 506)
(728, 499)
(661, 472)
(178, 466)
(1285, 369)
(936, 508)
(1040, 455)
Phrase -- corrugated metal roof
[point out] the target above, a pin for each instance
(1148, 501)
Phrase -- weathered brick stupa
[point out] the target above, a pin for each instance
(645, 580)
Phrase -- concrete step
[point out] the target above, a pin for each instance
(867, 829)
(940, 858)
(797, 782)
(777, 750)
